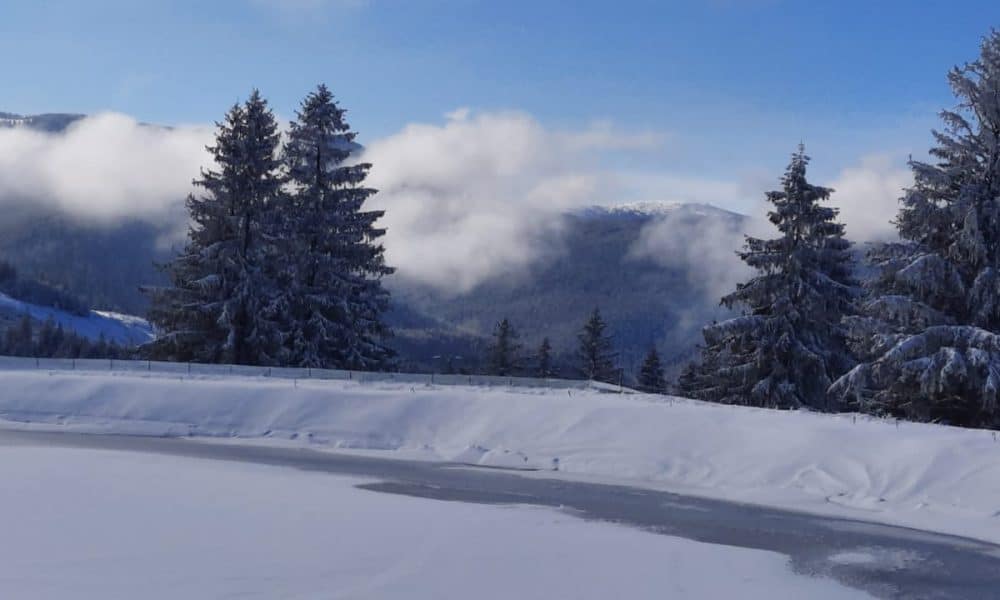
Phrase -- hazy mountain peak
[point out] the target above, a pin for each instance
(52, 122)
(651, 210)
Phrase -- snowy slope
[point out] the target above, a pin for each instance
(152, 527)
(925, 476)
(124, 329)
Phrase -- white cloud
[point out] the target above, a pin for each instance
(481, 194)
(603, 136)
(459, 114)
(706, 252)
(477, 196)
(868, 195)
(105, 167)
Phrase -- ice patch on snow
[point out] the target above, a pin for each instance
(83, 523)
(881, 559)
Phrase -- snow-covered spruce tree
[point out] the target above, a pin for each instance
(788, 345)
(504, 350)
(543, 360)
(928, 337)
(651, 378)
(220, 306)
(20, 338)
(596, 352)
(336, 298)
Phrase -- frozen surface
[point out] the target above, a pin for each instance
(102, 524)
(924, 476)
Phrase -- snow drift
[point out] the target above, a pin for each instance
(926, 476)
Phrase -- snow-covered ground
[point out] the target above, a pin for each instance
(104, 524)
(123, 329)
(929, 477)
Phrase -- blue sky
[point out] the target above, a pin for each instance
(733, 84)
(569, 104)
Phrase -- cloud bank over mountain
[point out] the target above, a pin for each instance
(476, 196)
(866, 194)
(102, 168)
(481, 194)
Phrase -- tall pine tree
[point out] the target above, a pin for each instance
(596, 352)
(504, 351)
(220, 306)
(335, 297)
(788, 345)
(928, 337)
(543, 360)
(651, 378)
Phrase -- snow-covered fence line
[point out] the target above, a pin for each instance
(17, 363)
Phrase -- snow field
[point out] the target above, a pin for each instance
(929, 477)
(105, 524)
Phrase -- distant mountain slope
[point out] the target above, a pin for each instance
(126, 330)
(644, 302)
(103, 265)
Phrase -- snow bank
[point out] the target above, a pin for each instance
(930, 477)
(123, 329)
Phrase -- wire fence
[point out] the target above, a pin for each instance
(100, 365)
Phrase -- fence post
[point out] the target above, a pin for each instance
(149, 365)
(74, 364)
(189, 368)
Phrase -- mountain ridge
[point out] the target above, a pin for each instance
(49, 122)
